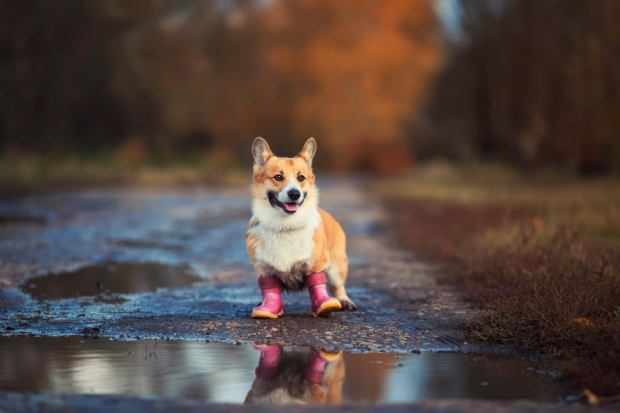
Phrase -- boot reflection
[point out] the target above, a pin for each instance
(298, 376)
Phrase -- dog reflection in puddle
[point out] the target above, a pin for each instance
(299, 376)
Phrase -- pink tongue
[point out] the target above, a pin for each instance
(290, 207)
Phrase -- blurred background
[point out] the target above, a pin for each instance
(382, 85)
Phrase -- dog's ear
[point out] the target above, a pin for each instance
(261, 152)
(308, 151)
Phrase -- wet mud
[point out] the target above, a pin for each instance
(53, 278)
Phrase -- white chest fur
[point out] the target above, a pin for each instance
(282, 245)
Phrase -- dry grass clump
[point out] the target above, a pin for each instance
(558, 296)
(545, 283)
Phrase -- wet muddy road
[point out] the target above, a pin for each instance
(145, 264)
(131, 267)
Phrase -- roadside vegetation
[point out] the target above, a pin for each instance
(539, 253)
(25, 174)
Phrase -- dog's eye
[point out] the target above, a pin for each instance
(278, 177)
(301, 178)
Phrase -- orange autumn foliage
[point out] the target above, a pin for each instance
(348, 72)
(367, 62)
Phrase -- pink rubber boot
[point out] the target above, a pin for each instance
(271, 307)
(269, 361)
(322, 304)
(315, 368)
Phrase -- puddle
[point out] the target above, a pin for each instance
(226, 373)
(103, 281)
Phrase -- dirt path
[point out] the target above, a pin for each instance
(401, 308)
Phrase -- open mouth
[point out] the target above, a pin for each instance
(288, 207)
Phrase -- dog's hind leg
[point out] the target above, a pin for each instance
(336, 276)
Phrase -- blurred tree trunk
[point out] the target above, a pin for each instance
(474, 13)
(547, 84)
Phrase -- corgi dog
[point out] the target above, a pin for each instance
(293, 243)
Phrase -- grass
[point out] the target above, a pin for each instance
(540, 254)
(38, 173)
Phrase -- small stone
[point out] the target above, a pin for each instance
(484, 383)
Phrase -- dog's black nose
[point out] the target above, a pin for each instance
(294, 194)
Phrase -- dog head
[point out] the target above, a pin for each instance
(284, 184)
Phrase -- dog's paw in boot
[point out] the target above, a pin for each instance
(271, 306)
(322, 304)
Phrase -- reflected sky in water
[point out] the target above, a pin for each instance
(225, 373)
